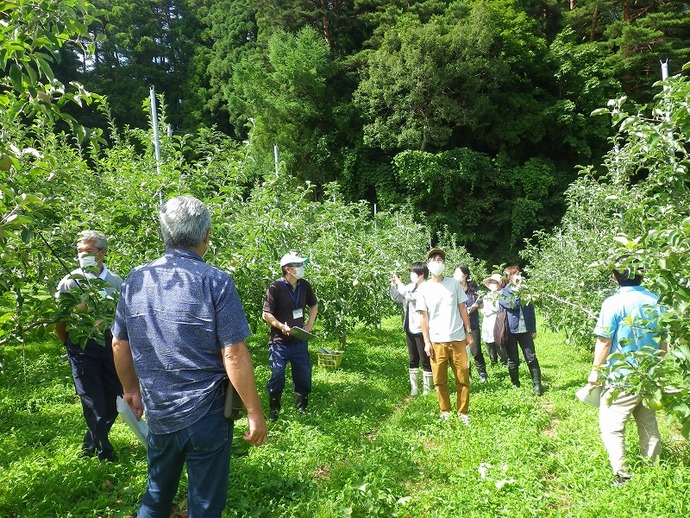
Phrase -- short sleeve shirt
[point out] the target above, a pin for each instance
(630, 319)
(178, 313)
(285, 303)
(440, 300)
(69, 282)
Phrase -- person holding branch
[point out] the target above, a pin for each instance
(628, 323)
(406, 294)
(93, 370)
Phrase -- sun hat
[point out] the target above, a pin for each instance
(496, 277)
(590, 394)
(292, 258)
(436, 251)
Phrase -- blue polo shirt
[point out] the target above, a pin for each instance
(629, 318)
(178, 313)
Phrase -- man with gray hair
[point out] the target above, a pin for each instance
(93, 370)
(179, 337)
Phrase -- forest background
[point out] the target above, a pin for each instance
(472, 112)
(512, 130)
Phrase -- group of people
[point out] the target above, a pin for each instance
(441, 323)
(176, 350)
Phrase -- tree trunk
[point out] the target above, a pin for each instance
(626, 11)
(595, 22)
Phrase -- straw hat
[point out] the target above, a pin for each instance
(496, 277)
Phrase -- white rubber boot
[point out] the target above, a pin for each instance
(414, 383)
(428, 383)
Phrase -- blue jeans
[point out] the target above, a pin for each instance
(205, 448)
(278, 357)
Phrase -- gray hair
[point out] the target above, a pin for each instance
(93, 236)
(184, 222)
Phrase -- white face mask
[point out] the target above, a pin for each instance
(459, 275)
(86, 261)
(493, 286)
(414, 278)
(299, 272)
(436, 268)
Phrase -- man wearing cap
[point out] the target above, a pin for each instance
(290, 302)
(628, 322)
(445, 327)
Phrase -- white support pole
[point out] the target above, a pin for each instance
(156, 140)
(275, 159)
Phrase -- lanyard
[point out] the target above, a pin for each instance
(295, 297)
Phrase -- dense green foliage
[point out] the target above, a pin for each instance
(638, 207)
(289, 81)
(342, 87)
(364, 450)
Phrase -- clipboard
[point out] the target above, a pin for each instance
(140, 428)
(300, 333)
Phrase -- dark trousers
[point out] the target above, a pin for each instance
(527, 345)
(297, 355)
(97, 386)
(476, 352)
(415, 350)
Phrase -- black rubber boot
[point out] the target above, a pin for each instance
(493, 354)
(536, 379)
(274, 407)
(514, 376)
(301, 402)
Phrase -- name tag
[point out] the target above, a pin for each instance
(297, 313)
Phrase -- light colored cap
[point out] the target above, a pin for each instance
(292, 258)
(496, 277)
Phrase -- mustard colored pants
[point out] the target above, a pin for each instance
(455, 354)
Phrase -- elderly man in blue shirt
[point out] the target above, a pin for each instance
(179, 336)
(628, 321)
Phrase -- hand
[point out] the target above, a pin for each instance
(470, 338)
(258, 430)
(534, 335)
(308, 327)
(133, 399)
(593, 378)
(285, 329)
(428, 349)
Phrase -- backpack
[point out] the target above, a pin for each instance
(501, 329)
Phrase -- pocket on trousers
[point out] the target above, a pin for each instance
(211, 431)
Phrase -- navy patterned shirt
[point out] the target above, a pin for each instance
(178, 313)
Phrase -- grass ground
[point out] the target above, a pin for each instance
(365, 448)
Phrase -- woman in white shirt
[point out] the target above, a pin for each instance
(406, 294)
